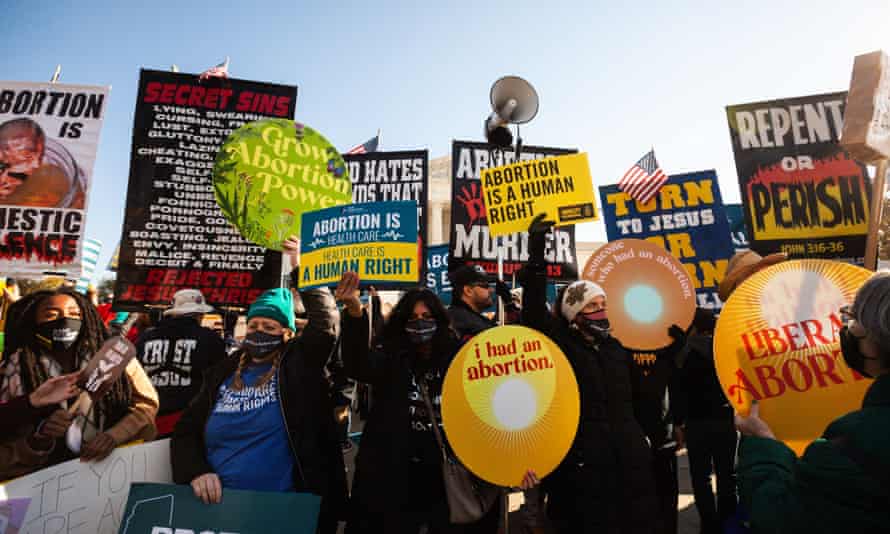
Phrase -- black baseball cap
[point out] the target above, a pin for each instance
(466, 275)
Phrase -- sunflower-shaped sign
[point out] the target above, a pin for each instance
(509, 404)
(268, 173)
(777, 342)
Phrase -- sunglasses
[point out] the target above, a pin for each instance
(848, 319)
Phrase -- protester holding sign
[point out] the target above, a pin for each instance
(842, 482)
(27, 409)
(55, 332)
(605, 482)
(399, 485)
(263, 418)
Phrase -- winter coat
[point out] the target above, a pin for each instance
(699, 395)
(385, 453)
(307, 411)
(840, 484)
(18, 458)
(609, 441)
(466, 322)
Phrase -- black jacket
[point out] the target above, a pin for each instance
(698, 393)
(654, 377)
(387, 445)
(609, 442)
(175, 356)
(307, 407)
(466, 322)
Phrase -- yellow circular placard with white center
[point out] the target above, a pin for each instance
(510, 404)
(777, 342)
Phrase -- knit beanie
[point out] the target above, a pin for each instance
(277, 304)
(578, 295)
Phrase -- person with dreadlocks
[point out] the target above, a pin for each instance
(262, 420)
(55, 332)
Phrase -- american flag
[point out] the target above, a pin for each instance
(368, 146)
(643, 180)
(218, 71)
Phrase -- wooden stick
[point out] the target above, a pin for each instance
(875, 214)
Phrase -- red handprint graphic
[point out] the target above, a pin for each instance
(471, 197)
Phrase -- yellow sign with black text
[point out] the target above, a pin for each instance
(561, 187)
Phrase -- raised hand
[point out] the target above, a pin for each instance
(347, 293)
(54, 391)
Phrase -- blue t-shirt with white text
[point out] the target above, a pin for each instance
(247, 442)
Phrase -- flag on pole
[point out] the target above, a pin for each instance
(644, 179)
(218, 71)
(368, 146)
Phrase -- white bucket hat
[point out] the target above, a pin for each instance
(188, 301)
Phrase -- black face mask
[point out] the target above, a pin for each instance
(853, 357)
(58, 335)
(258, 344)
(420, 331)
(595, 325)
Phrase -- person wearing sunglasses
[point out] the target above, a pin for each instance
(842, 481)
(471, 294)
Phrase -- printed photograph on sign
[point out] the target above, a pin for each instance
(803, 194)
(49, 134)
(269, 173)
(776, 342)
(510, 403)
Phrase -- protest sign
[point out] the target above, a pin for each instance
(514, 194)
(12, 515)
(106, 366)
(393, 176)
(173, 509)
(686, 217)
(866, 133)
(87, 497)
(471, 242)
(376, 240)
(175, 235)
(437, 279)
(737, 230)
(802, 193)
(777, 343)
(510, 393)
(49, 133)
(647, 291)
(270, 172)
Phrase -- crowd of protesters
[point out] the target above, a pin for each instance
(269, 412)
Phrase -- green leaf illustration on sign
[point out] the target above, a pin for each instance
(268, 173)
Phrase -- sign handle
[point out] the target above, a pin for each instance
(877, 208)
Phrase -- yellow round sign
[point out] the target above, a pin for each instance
(509, 404)
(777, 342)
(647, 291)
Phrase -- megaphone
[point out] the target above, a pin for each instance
(513, 101)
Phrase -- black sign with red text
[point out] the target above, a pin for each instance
(175, 235)
(470, 240)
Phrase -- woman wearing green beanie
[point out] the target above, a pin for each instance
(262, 420)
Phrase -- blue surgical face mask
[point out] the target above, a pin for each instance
(420, 331)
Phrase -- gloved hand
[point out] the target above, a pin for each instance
(503, 291)
(678, 335)
(537, 238)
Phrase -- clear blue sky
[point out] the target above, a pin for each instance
(613, 80)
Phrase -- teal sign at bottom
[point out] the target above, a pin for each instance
(172, 509)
